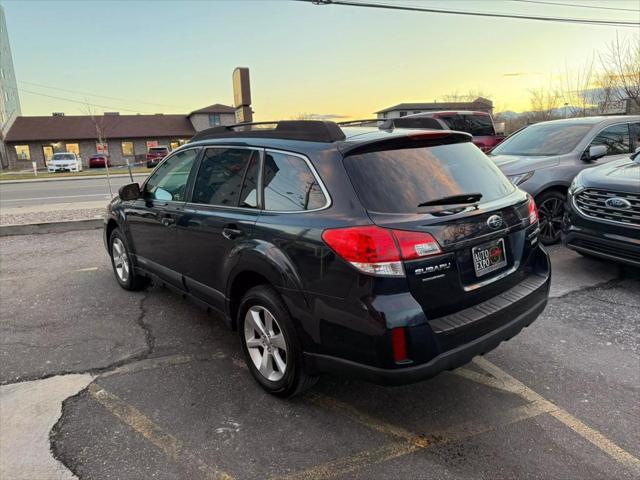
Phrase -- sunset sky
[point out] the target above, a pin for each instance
(174, 57)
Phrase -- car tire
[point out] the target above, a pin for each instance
(125, 273)
(550, 211)
(282, 373)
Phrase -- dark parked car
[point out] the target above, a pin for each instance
(384, 255)
(99, 160)
(543, 159)
(603, 212)
(155, 154)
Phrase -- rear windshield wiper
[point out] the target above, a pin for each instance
(453, 200)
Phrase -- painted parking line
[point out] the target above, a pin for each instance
(596, 438)
(408, 443)
(165, 442)
(64, 272)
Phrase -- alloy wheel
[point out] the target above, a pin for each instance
(551, 212)
(120, 260)
(265, 343)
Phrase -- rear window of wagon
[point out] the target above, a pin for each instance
(396, 181)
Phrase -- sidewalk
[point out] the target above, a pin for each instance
(58, 212)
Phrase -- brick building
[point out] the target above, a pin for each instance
(36, 139)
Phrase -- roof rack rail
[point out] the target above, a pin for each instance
(308, 130)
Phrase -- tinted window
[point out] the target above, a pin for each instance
(616, 138)
(635, 134)
(249, 192)
(169, 180)
(219, 180)
(473, 124)
(396, 181)
(479, 125)
(544, 139)
(289, 185)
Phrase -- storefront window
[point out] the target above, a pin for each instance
(127, 149)
(173, 145)
(22, 152)
(151, 144)
(73, 148)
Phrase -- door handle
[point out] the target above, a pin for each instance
(231, 233)
(167, 221)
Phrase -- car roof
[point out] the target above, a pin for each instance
(593, 120)
(307, 135)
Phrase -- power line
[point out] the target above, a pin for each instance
(95, 95)
(584, 21)
(578, 5)
(65, 99)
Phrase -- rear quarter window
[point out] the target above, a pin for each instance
(396, 181)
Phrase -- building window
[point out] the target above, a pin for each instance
(73, 148)
(127, 149)
(214, 119)
(102, 148)
(47, 152)
(173, 145)
(151, 144)
(22, 152)
(403, 114)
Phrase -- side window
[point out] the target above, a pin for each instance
(219, 180)
(169, 181)
(635, 135)
(616, 138)
(289, 185)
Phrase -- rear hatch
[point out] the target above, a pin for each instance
(485, 243)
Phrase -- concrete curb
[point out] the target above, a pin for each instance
(62, 179)
(51, 227)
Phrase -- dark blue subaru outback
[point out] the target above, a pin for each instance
(385, 254)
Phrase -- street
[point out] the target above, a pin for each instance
(165, 392)
(26, 194)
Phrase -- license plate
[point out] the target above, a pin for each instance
(489, 257)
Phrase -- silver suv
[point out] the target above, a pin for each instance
(542, 159)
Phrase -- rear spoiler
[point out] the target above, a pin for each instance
(391, 123)
(417, 139)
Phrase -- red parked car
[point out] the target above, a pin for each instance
(99, 160)
(155, 154)
(478, 124)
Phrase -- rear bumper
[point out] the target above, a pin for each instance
(458, 337)
(446, 361)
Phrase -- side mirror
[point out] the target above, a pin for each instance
(130, 191)
(595, 152)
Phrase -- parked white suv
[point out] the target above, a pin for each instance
(64, 161)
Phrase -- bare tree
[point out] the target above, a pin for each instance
(620, 64)
(470, 96)
(544, 103)
(577, 90)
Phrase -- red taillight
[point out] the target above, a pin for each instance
(416, 244)
(533, 211)
(379, 251)
(399, 344)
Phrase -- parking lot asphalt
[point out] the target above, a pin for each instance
(170, 396)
